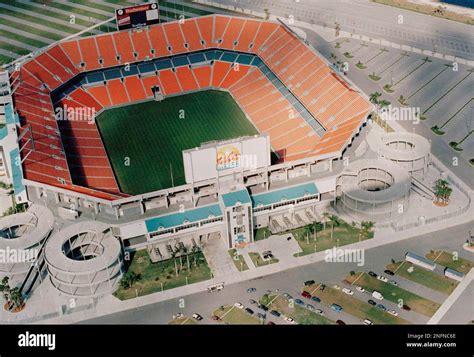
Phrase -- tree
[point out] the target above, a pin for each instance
(129, 279)
(5, 289)
(374, 97)
(12, 296)
(442, 191)
(334, 223)
(337, 28)
(16, 298)
(267, 14)
(366, 228)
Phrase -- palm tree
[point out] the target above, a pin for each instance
(16, 298)
(374, 97)
(366, 228)
(442, 191)
(325, 219)
(5, 289)
(334, 222)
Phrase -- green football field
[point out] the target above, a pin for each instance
(145, 141)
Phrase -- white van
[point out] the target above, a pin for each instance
(216, 287)
(377, 295)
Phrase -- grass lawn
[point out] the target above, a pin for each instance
(447, 259)
(261, 233)
(154, 276)
(155, 138)
(258, 261)
(182, 321)
(343, 234)
(355, 307)
(239, 260)
(424, 277)
(395, 293)
(300, 314)
(234, 316)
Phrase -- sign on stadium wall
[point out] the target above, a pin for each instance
(137, 16)
(228, 157)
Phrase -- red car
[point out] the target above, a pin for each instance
(306, 295)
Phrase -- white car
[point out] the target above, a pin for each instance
(320, 312)
(290, 320)
(337, 287)
(347, 291)
(382, 278)
(377, 295)
(392, 312)
(197, 317)
(393, 282)
(367, 322)
(178, 316)
(239, 305)
(361, 289)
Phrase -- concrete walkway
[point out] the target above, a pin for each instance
(452, 298)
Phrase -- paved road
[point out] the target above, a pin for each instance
(291, 280)
(375, 20)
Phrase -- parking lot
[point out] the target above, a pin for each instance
(442, 90)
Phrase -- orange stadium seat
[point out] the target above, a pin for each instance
(206, 28)
(135, 88)
(232, 33)
(264, 32)
(186, 79)
(141, 44)
(100, 94)
(234, 75)
(42, 74)
(158, 41)
(84, 98)
(58, 54)
(175, 37)
(53, 67)
(124, 46)
(220, 25)
(89, 52)
(107, 50)
(149, 83)
(191, 35)
(169, 82)
(203, 75)
(247, 35)
(71, 49)
(117, 92)
(219, 72)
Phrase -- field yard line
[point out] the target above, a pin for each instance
(399, 266)
(360, 276)
(232, 308)
(27, 34)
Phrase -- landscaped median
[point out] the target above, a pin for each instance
(259, 262)
(182, 320)
(423, 276)
(301, 315)
(353, 306)
(394, 293)
(168, 274)
(232, 315)
(450, 261)
(238, 259)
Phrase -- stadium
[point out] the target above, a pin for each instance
(175, 131)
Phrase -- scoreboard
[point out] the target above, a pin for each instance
(137, 16)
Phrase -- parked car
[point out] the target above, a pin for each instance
(381, 307)
(319, 312)
(288, 296)
(382, 278)
(310, 307)
(290, 320)
(393, 282)
(178, 316)
(361, 289)
(275, 313)
(239, 305)
(270, 323)
(309, 282)
(306, 295)
(299, 302)
(347, 291)
(263, 307)
(372, 302)
(392, 312)
(371, 273)
(389, 272)
(406, 307)
(340, 322)
(197, 317)
(336, 307)
(215, 318)
(337, 287)
(251, 290)
(377, 295)
(367, 322)
(253, 302)
(249, 310)
(261, 316)
(322, 287)
(316, 299)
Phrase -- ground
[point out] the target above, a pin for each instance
(234, 316)
(238, 260)
(162, 275)
(154, 140)
(447, 259)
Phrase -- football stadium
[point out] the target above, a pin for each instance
(173, 132)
